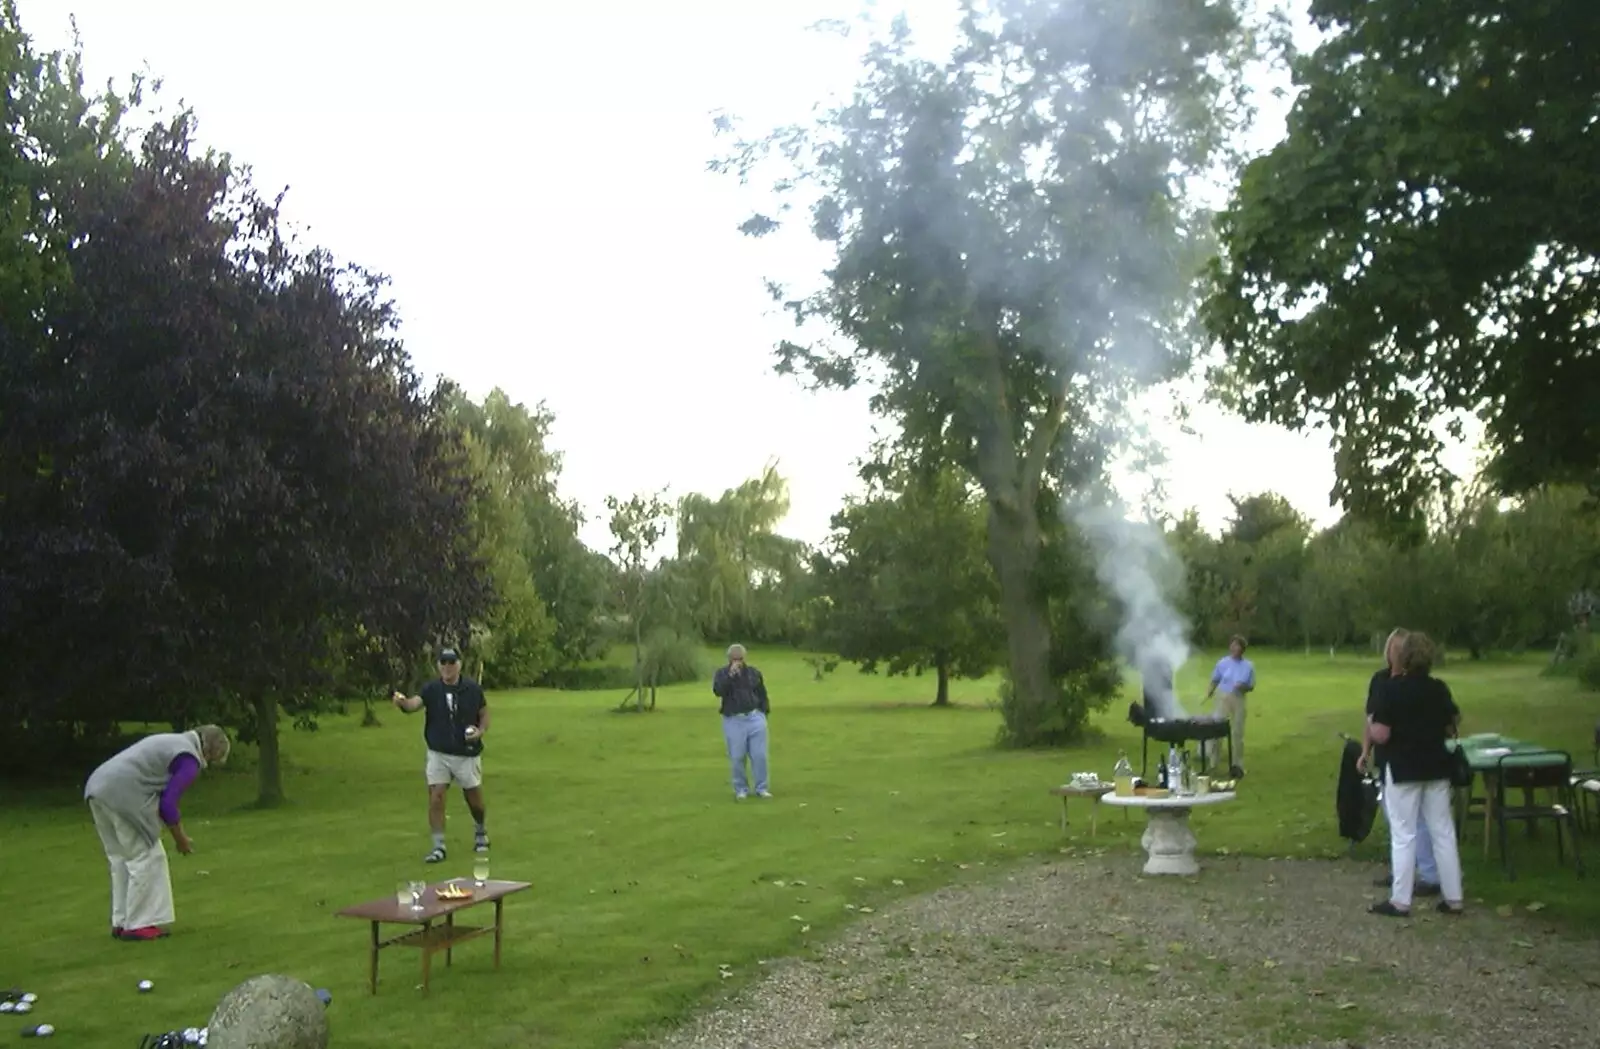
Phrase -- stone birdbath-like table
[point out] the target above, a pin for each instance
(1168, 841)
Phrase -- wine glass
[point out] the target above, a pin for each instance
(480, 870)
(417, 889)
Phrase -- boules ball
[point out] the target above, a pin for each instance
(24, 1007)
(145, 986)
(30, 998)
(42, 1031)
(8, 1006)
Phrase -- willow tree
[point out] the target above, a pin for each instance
(1014, 249)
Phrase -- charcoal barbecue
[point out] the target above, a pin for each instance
(1175, 731)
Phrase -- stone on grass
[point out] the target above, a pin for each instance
(269, 1012)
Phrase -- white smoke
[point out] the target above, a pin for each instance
(1134, 563)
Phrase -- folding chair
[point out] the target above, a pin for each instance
(1553, 772)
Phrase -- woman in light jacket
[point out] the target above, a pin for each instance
(1413, 717)
(131, 797)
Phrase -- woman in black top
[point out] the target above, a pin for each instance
(1413, 716)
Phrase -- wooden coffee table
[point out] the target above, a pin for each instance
(429, 936)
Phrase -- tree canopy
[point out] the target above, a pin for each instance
(1013, 248)
(1422, 245)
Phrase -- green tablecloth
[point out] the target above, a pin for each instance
(1485, 750)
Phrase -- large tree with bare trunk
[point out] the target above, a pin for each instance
(1014, 250)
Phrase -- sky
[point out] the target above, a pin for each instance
(532, 177)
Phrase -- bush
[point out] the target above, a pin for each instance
(672, 657)
(1065, 720)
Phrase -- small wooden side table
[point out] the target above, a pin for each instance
(1094, 794)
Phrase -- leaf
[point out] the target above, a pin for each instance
(1535, 907)
(779, 884)
(1504, 910)
(1151, 967)
(1526, 945)
(796, 918)
(1269, 964)
(1347, 1005)
(1352, 959)
(897, 882)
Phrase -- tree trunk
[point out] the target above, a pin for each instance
(1014, 552)
(638, 659)
(942, 697)
(269, 791)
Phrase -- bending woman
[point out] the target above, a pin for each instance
(131, 797)
(1413, 716)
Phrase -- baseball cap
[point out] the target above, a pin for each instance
(449, 655)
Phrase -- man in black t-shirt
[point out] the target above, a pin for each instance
(1372, 759)
(457, 718)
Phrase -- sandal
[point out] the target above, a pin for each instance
(436, 856)
(1388, 910)
(1444, 907)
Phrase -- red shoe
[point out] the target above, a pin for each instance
(149, 932)
(116, 932)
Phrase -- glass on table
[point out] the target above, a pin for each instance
(418, 888)
(480, 870)
(402, 894)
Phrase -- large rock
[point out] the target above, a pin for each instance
(269, 1012)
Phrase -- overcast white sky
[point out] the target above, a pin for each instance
(533, 178)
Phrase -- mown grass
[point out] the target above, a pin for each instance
(649, 882)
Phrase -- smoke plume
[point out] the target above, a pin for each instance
(1135, 564)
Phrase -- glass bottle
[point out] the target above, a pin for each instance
(1122, 775)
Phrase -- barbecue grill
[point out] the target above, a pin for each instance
(1176, 731)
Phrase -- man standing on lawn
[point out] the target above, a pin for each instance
(744, 721)
(1235, 677)
(457, 718)
(1427, 883)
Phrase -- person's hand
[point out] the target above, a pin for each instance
(1361, 764)
(398, 698)
(185, 846)
(474, 732)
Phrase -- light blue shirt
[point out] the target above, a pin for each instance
(1234, 675)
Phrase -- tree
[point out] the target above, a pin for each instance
(1422, 245)
(242, 470)
(907, 582)
(742, 575)
(1012, 248)
(638, 524)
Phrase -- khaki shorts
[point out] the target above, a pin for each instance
(444, 768)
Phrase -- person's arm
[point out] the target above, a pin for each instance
(183, 771)
(483, 715)
(760, 684)
(1379, 723)
(1249, 684)
(719, 682)
(1216, 678)
(407, 704)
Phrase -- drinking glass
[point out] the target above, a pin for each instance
(417, 889)
(402, 894)
(480, 870)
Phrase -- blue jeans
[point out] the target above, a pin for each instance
(746, 735)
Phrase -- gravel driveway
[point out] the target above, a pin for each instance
(1083, 951)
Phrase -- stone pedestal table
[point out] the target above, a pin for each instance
(1168, 842)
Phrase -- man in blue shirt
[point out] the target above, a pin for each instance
(1234, 678)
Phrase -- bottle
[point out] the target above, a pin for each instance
(1122, 775)
(1174, 772)
(1186, 775)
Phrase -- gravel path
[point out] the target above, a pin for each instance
(1253, 953)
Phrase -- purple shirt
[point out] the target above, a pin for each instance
(184, 768)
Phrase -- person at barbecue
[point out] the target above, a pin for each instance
(1413, 717)
(1427, 879)
(1233, 678)
(458, 717)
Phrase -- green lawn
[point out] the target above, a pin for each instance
(647, 877)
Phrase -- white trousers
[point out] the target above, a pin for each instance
(141, 885)
(1427, 804)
